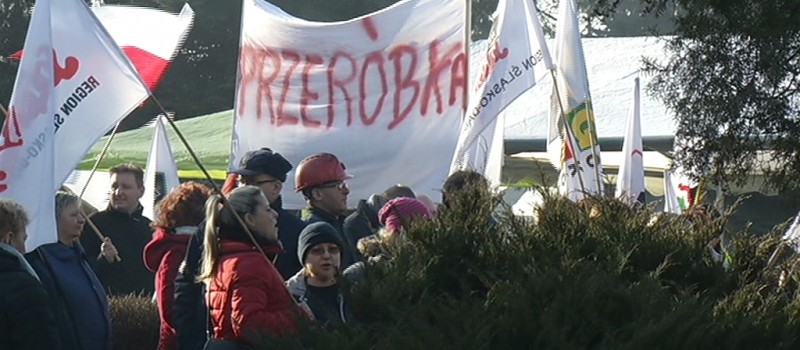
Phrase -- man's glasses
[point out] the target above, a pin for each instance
(258, 183)
(339, 185)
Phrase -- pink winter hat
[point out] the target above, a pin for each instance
(399, 211)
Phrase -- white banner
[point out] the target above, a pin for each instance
(516, 57)
(92, 86)
(384, 92)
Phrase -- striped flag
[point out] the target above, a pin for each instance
(151, 47)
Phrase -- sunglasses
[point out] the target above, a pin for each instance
(339, 185)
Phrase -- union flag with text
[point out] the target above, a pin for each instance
(73, 85)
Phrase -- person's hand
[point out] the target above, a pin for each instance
(108, 251)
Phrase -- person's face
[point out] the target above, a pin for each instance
(125, 193)
(70, 224)
(322, 261)
(268, 184)
(263, 220)
(16, 240)
(332, 197)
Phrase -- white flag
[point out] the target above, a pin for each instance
(161, 161)
(93, 87)
(26, 152)
(679, 191)
(630, 179)
(572, 106)
(516, 57)
(792, 235)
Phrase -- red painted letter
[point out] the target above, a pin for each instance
(402, 82)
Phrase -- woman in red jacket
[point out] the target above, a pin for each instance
(246, 294)
(179, 214)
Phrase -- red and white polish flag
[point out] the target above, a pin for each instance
(150, 38)
(151, 47)
(74, 83)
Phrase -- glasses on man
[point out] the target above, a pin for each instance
(258, 183)
(339, 185)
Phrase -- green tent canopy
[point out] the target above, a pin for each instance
(208, 135)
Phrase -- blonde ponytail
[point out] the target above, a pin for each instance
(211, 239)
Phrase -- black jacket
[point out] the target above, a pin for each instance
(129, 233)
(349, 256)
(363, 222)
(289, 228)
(26, 321)
(189, 312)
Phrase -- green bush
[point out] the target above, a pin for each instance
(478, 278)
(134, 322)
(618, 280)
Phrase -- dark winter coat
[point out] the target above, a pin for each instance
(298, 287)
(363, 222)
(129, 233)
(247, 295)
(289, 228)
(349, 256)
(77, 297)
(164, 255)
(26, 321)
(189, 313)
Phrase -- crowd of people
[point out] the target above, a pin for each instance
(221, 266)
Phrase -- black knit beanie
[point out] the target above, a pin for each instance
(313, 234)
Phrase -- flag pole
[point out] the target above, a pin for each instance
(207, 175)
(569, 131)
(100, 157)
(467, 53)
(593, 143)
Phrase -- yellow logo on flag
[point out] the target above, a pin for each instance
(581, 120)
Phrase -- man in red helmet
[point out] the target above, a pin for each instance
(321, 178)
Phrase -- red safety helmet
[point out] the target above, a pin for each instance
(318, 169)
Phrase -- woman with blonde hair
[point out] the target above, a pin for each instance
(245, 293)
(179, 214)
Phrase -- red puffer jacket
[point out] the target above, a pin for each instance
(247, 295)
(163, 255)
